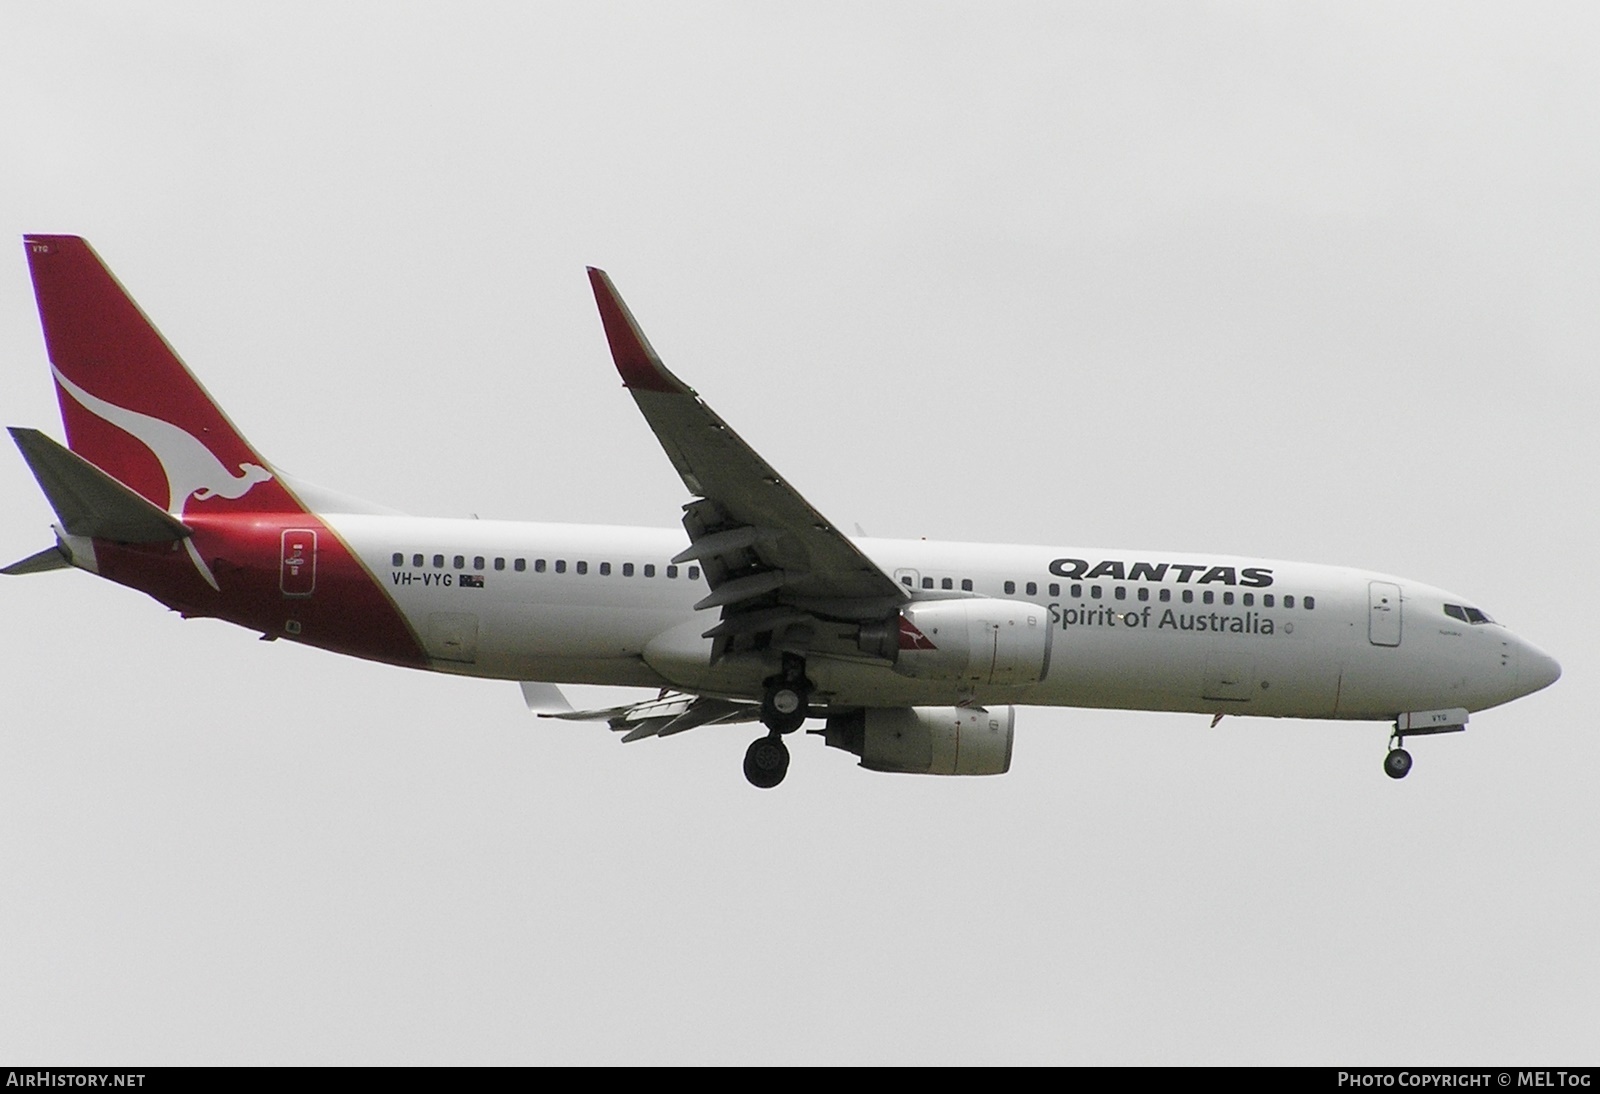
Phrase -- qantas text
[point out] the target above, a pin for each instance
(1080, 569)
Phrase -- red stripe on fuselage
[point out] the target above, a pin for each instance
(346, 612)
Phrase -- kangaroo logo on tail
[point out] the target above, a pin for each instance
(191, 468)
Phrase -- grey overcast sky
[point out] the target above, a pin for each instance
(1309, 281)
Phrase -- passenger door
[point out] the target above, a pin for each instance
(1383, 613)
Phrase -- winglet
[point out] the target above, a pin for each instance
(641, 369)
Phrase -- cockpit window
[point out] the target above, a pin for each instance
(1475, 616)
(1465, 614)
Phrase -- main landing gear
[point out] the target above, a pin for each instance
(785, 705)
(766, 761)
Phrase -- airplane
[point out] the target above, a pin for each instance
(912, 655)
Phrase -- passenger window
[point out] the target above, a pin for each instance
(605, 569)
(1144, 592)
(627, 569)
(1011, 587)
(1208, 597)
(1288, 601)
(694, 573)
(582, 566)
(1033, 588)
(927, 583)
(561, 565)
(905, 579)
(672, 571)
(416, 560)
(499, 563)
(1055, 590)
(1249, 599)
(1188, 596)
(1095, 592)
(477, 562)
(1227, 598)
(966, 584)
(1166, 595)
(1308, 603)
(399, 559)
(649, 569)
(1266, 600)
(438, 562)
(461, 562)
(946, 583)
(1077, 592)
(1120, 593)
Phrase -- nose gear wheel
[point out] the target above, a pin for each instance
(1397, 764)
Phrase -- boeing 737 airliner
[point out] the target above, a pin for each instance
(912, 655)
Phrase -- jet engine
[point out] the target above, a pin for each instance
(977, 640)
(926, 740)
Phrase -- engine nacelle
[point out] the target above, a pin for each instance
(977, 640)
(927, 740)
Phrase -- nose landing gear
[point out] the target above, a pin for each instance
(785, 706)
(1397, 764)
(1425, 723)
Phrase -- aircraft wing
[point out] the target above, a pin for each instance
(664, 716)
(771, 560)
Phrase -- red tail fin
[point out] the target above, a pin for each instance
(130, 406)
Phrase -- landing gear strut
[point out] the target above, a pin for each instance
(1397, 764)
(1427, 723)
(783, 708)
(785, 705)
(785, 702)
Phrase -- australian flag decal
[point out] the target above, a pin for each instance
(471, 581)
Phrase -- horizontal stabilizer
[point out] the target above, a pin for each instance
(668, 706)
(665, 715)
(51, 558)
(90, 502)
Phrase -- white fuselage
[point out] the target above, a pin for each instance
(1129, 629)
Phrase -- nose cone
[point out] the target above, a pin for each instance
(1535, 669)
